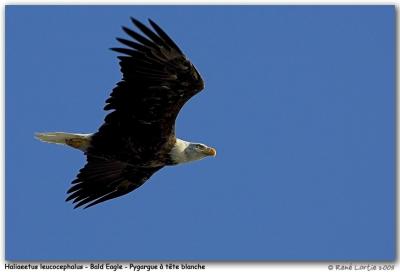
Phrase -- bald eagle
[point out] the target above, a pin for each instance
(137, 137)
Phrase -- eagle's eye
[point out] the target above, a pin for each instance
(199, 146)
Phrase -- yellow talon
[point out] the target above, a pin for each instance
(75, 142)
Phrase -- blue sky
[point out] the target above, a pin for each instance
(299, 103)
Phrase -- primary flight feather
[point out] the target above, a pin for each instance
(138, 135)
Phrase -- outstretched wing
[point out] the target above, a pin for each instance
(157, 81)
(101, 179)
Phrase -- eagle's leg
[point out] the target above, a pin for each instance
(76, 142)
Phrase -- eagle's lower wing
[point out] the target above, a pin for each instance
(157, 81)
(101, 179)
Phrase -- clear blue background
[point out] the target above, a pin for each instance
(299, 103)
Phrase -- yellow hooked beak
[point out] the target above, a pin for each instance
(210, 151)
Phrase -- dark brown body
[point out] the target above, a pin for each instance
(137, 136)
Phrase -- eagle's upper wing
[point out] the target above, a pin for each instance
(157, 81)
(101, 179)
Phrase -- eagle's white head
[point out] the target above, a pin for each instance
(184, 151)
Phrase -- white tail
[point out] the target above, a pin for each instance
(75, 140)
